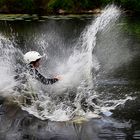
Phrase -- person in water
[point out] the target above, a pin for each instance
(32, 59)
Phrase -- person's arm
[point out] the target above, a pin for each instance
(42, 79)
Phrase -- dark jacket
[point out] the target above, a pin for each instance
(34, 72)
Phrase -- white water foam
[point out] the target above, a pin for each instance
(74, 95)
(77, 77)
(7, 51)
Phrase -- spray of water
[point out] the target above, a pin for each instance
(75, 94)
(7, 52)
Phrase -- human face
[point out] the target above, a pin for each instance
(37, 63)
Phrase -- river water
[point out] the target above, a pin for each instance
(98, 58)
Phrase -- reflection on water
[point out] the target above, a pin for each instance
(123, 125)
(20, 125)
(118, 78)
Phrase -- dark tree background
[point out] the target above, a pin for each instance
(42, 7)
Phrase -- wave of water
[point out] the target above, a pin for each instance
(75, 95)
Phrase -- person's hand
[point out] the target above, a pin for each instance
(58, 77)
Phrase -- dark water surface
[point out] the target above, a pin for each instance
(119, 76)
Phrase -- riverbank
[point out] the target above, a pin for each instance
(60, 15)
(60, 12)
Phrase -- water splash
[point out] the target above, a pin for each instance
(7, 51)
(75, 95)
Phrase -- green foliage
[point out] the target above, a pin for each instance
(87, 4)
(132, 27)
(41, 6)
(27, 4)
(59, 4)
(130, 4)
(18, 6)
(105, 2)
(72, 5)
(1, 2)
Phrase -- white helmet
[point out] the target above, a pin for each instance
(31, 56)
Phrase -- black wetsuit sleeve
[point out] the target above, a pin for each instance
(44, 80)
